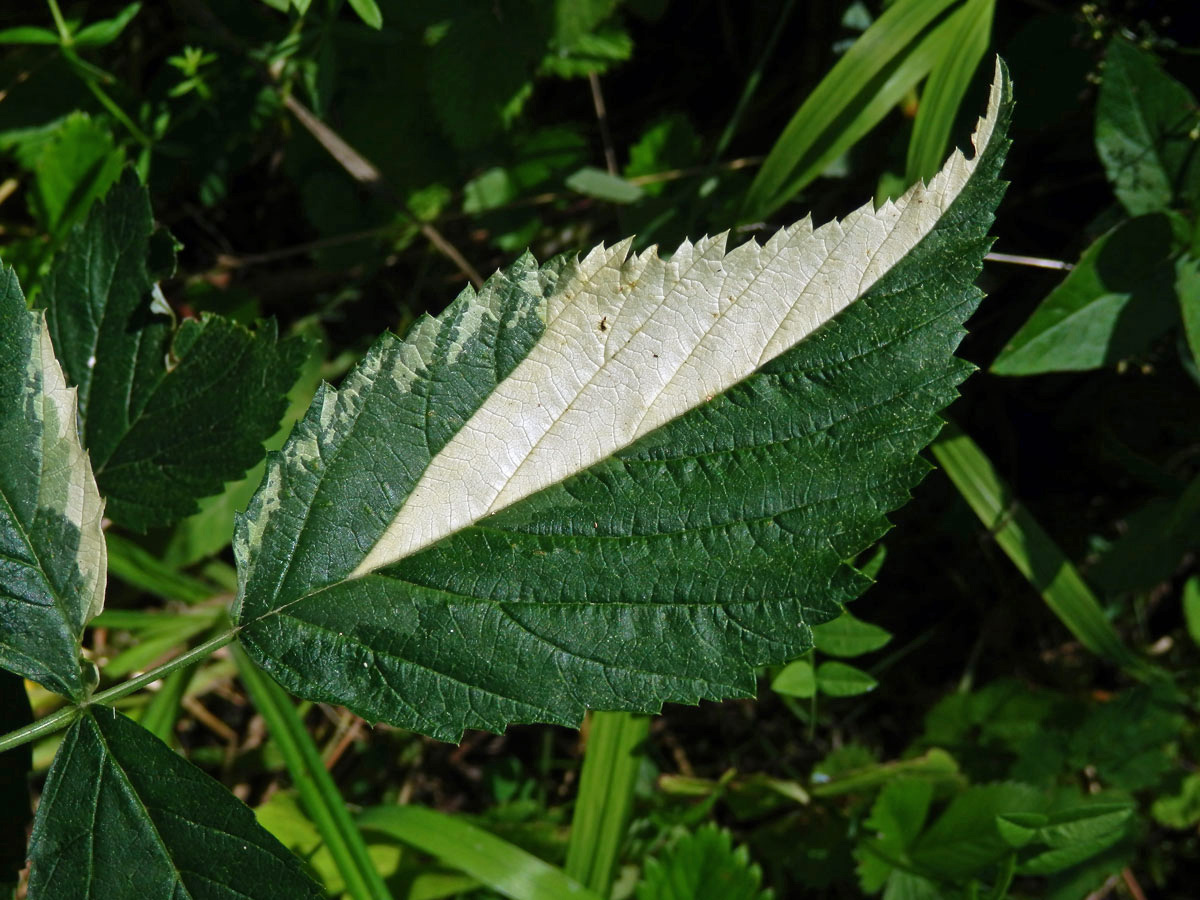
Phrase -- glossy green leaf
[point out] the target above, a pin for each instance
(1145, 132)
(505, 868)
(848, 636)
(630, 480)
(703, 865)
(837, 679)
(124, 818)
(1119, 296)
(52, 554)
(168, 414)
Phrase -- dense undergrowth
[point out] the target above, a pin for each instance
(1011, 709)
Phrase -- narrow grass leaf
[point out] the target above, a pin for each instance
(963, 46)
(880, 65)
(322, 800)
(1032, 550)
(492, 861)
(611, 762)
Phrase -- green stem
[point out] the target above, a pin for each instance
(611, 760)
(64, 33)
(61, 719)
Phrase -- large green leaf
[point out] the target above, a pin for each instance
(615, 481)
(1117, 298)
(1145, 121)
(168, 415)
(52, 552)
(124, 818)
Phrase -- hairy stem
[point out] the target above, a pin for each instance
(61, 719)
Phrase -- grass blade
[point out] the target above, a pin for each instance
(963, 46)
(493, 861)
(162, 711)
(610, 767)
(881, 66)
(1033, 551)
(317, 791)
(140, 569)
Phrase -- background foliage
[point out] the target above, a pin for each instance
(1011, 707)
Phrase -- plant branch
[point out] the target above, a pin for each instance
(61, 719)
(365, 173)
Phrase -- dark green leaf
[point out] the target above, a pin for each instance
(641, 569)
(703, 866)
(168, 415)
(124, 818)
(1145, 123)
(1191, 608)
(897, 817)
(1117, 298)
(1187, 289)
(965, 837)
(52, 553)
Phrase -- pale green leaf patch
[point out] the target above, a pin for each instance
(53, 560)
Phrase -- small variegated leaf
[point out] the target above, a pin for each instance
(617, 480)
(53, 560)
